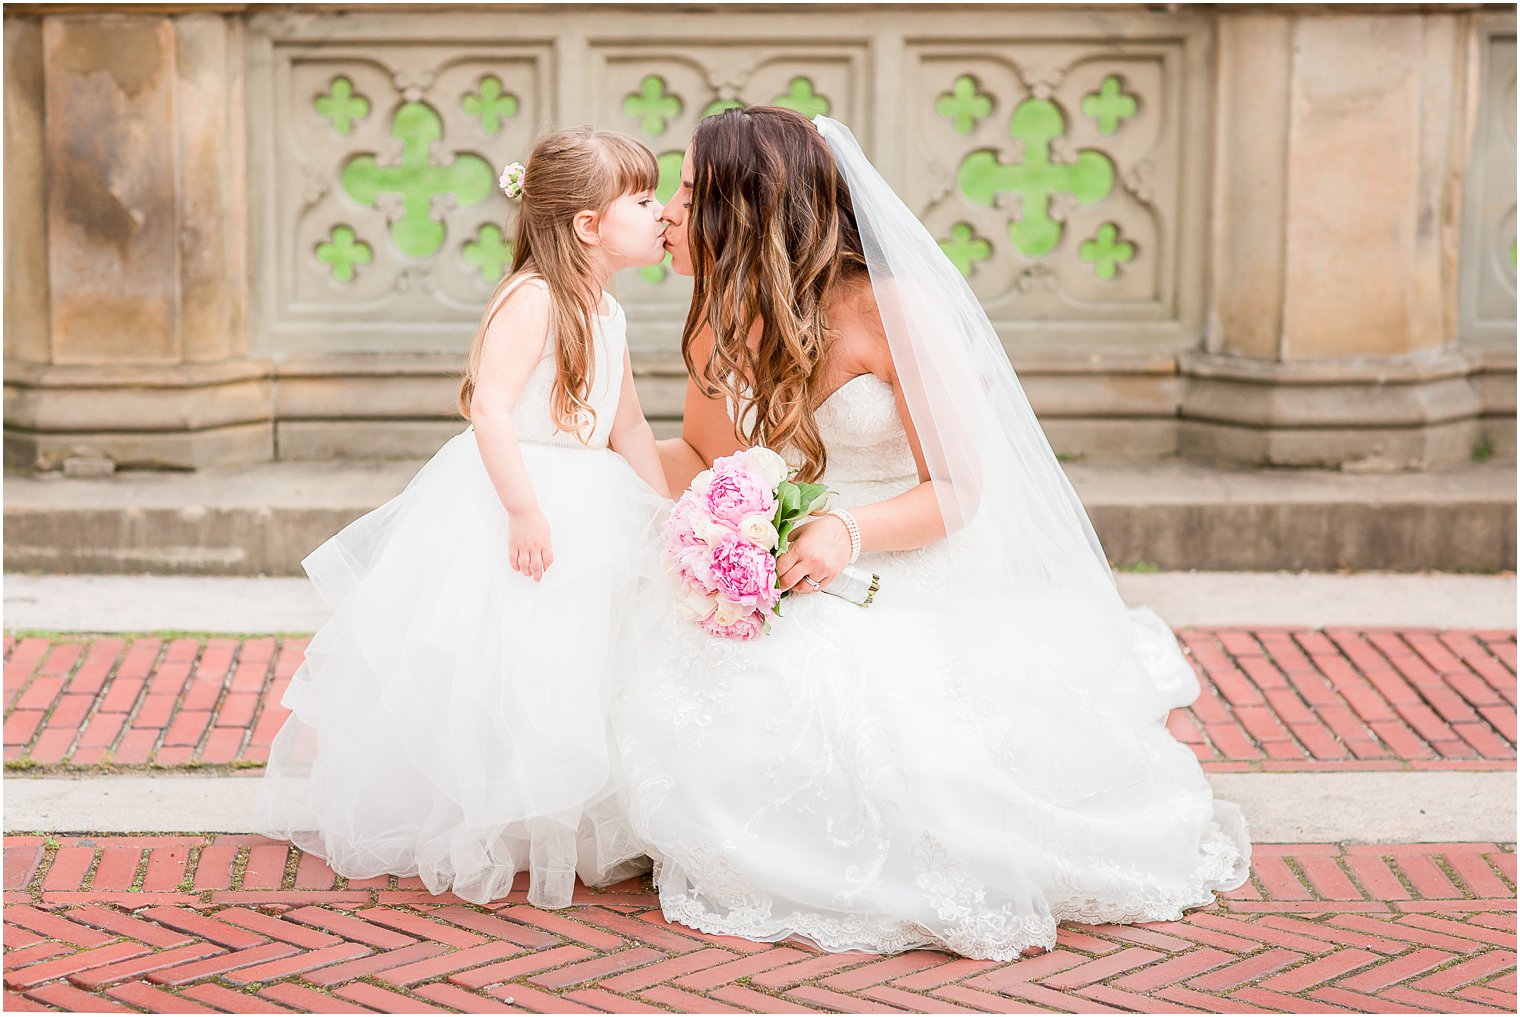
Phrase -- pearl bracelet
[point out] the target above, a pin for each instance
(854, 531)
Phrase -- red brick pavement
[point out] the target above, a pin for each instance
(242, 924)
(1273, 698)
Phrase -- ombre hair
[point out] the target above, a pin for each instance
(772, 232)
(571, 170)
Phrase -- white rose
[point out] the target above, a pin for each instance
(757, 530)
(822, 508)
(707, 529)
(695, 604)
(768, 466)
(729, 612)
(701, 482)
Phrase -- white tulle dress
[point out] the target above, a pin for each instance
(954, 766)
(449, 720)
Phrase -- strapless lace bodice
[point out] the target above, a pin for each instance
(532, 415)
(869, 458)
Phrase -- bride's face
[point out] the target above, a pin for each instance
(677, 213)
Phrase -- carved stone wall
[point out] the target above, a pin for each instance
(1486, 302)
(1053, 172)
(1158, 208)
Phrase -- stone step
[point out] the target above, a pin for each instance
(1171, 514)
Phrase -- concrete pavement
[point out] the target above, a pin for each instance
(235, 604)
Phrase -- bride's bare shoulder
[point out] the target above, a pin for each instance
(861, 338)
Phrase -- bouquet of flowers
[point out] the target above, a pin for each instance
(723, 536)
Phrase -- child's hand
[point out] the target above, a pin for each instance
(529, 551)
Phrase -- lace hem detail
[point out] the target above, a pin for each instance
(967, 925)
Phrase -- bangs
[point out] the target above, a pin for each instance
(633, 165)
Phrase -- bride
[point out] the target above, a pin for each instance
(982, 752)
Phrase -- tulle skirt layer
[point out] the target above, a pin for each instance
(449, 719)
(956, 765)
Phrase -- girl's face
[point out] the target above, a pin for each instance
(677, 213)
(631, 231)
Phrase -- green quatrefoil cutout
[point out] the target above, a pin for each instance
(489, 252)
(417, 180)
(652, 105)
(1106, 251)
(490, 104)
(341, 106)
(1036, 122)
(1109, 106)
(965, 248)
(964, 105)
(341, 252)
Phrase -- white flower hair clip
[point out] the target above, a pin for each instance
(512, 179)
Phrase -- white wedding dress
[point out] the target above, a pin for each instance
(962, 764)
(449, 720)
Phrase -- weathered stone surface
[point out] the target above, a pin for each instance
(1486, 308)
(1289, 182)
(111, 169)
(1349, 449)
(1251, 185)
(156, 404)
(1362, 275)
(347, 439)
(210, 132)
(238, 445)
(26, 260)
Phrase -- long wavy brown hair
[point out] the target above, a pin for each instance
(571, 170)
(772, 233)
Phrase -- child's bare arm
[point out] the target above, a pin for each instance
(632, 438)
(514, 343)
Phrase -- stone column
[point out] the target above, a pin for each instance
(126, 280)
(1341, 141)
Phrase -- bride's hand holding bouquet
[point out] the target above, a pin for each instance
(728, 542)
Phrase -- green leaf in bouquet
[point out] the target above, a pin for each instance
(789, 495)
(811, 496)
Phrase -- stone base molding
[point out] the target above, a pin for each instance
(178, 416)
(1382, 414)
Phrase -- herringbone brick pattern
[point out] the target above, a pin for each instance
(244, 924)
(1273, 698)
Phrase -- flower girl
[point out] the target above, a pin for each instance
(449, 720)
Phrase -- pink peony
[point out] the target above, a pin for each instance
(692, 564)
(746, 627)
(744, 574)
(735, 463)
(736, 493)
(678, 531)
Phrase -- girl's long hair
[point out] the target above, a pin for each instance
(772, 232)
(571, 170)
